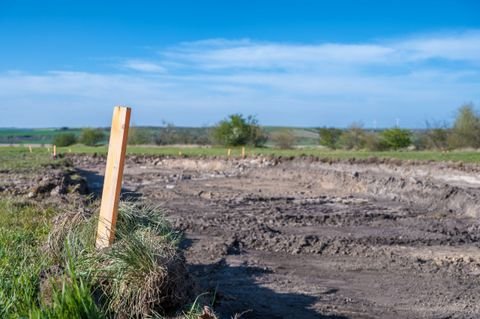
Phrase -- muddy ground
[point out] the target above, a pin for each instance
(281, 238)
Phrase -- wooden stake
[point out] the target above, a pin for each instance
(54, 151)
(113, 176)
(243, 152)
(30, 148)
(229, 152)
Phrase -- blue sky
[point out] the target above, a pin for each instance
(297, 63)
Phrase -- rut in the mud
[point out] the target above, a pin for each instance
(308, 239)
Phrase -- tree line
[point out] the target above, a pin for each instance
(464, 133)
(237, 130)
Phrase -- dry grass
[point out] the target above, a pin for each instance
(142, 275)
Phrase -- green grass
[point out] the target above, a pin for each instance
(463, 156)
(73, 299)
(19, 157)
(23, 229)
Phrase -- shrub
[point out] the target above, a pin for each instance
(373, 142)
(138, 136)
(284, 139)
(91, 137)
(64, 139)
(353, 137)
(329, 137)
(167, 135)
(237, 130)
(396, 138)
(170, 134)
(466, 128)
(421, 141)
(257, 136)
(434, 137)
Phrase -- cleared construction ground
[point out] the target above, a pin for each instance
(306, 238)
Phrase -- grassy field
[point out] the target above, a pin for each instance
(23, 229)
(20, 158)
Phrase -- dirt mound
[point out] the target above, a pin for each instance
(51, 181)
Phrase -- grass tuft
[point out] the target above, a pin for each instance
(143, 273)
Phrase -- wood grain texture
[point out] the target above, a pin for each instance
(113, 176)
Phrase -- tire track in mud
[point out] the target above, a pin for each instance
(308, 239)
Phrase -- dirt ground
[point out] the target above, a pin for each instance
(282, 238)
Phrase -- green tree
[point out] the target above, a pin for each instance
(329, 136)
(64, 139)
(396, 138)
(236, 130)
(91, 137)
(466, 128)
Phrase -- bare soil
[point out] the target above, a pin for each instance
(277, 238)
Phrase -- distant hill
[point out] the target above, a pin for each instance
(182, 135)
(32, 136)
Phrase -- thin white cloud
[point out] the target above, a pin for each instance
(250, 55)
(144, 66)
(463, 46)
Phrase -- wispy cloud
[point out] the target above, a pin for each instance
(253, 55)
(144, 66)
(463, 46)
(248, 54)
(415, 78)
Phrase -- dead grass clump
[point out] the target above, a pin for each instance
(142, 274)
(75, 230)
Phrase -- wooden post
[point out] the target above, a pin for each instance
(112, 183)
(54, 151)
(30, 148)
(229, 152)
(243, 152)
